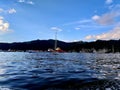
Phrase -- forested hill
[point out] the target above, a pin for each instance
(107, 46)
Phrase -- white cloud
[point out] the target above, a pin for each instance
(56, 28)
(75, 40)
(11, 11)
(96, 17)
(1, 10)
(26, 2)
(109, 1)
(77, 28)
(4, 26)
(113, 34)
(85, 24)
(1, 17)
(78, 22)
(21, 1)
(30, 2)
(89, 37)
(107, 18)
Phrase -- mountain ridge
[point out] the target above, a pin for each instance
(78, 46)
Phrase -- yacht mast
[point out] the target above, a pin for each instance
(113, 48)
(55, 39)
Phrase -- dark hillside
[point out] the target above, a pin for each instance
(109, 46)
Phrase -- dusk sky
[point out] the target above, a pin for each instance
(74, 20)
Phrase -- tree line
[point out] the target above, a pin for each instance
(80, 46)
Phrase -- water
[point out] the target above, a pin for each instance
(62, 71)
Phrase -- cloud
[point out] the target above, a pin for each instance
(109, 1)
(89, 37)
(1, 17)
(77, 28)
(78, 22)
(107, 18)
(4, 26)
(11, 11)
(96, 17)
(21, 1)
(110, 17)
(84, 24)
(26, 2)
(30, 2)
(113, 34)
(56, 28)
(1, 10)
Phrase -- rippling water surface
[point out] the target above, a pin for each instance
(49, 71)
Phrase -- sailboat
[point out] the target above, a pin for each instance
(56, 49)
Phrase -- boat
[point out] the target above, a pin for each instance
(50, 50)
(56, 49)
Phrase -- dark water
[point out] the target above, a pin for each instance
(64, 71)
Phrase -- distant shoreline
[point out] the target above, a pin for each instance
(101, 46)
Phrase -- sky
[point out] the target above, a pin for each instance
(73, 20)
